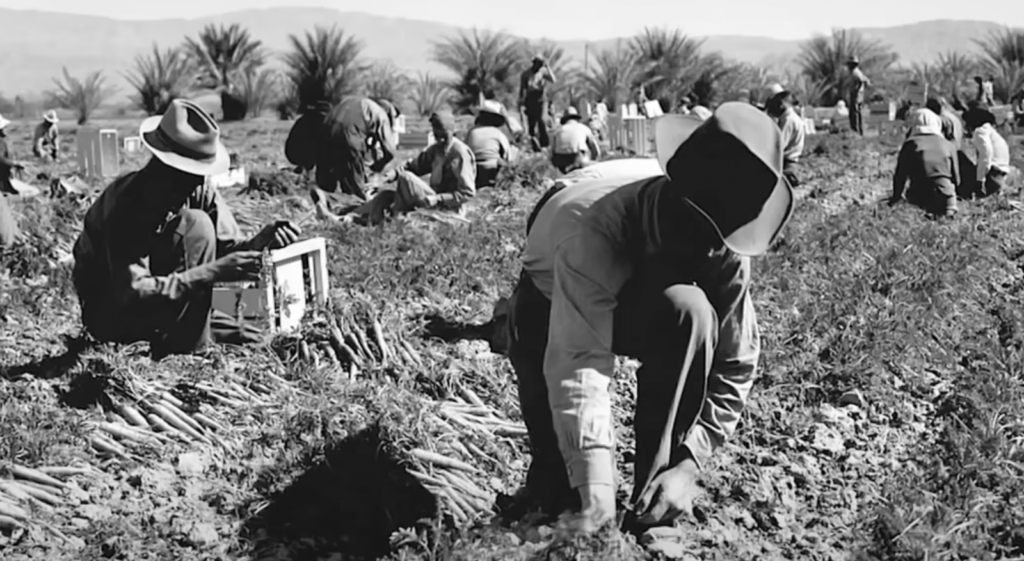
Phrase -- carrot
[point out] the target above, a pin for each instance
(457, 512)
(11, 488)
(470, 510)
(304, 351)
(329, 353)
(412, 352)
(122, 431)
(8, 523)
(185, 417)
(378, 334)
(440, 460)
(66, 470)
(404, 354)
(426, 478)
(171, 419)
(166, 396)
(208, 422)
(132, 415)
(463, 483)
(225, 400)
(33, 493)
(29, 474)
(104, 445)
(343, 350)
(160, 425)
(471, 396)
(353, 342)
(366, 344)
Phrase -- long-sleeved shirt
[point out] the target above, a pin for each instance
(924, 159)
(490, 146)
(952, 128)
(986, 93)
(586, 243)
(993, 151)
(363, 122)
(46, 136)
(793, 135)
(533, 84)
(112, 252)
(575, 138)
(452, 169)
(7, 166)
(856, 84)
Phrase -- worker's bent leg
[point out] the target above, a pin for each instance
(673, 330)
(411, 192)
(995, 180)
(547, 482)
(945, 196)
(8, 224)
(190, 240)
(352, 171)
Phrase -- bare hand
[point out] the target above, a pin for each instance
(670, 495)
(277, 235)
(238, 266)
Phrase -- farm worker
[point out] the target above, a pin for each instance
(574, 144)
(342, 142)
(490, 146)
(46, 139)
(952, 127)
(8, 225)
(156, 240)
(599, 120)
(648, 258)
(1018, 108)
(985, 95)
(857, 83)
(450, 164)
(701, 112)
(993, 153)
(930, 163)
(533, 99)
(780, 108)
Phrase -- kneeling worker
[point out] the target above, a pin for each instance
(650, 259)
(930, 163)
(156, 240)
(574, 144)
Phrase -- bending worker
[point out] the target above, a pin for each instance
(648, 258)
(490, 145)
(574, 144)
(930, 163)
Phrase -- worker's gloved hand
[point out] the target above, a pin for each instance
(275, 236)
(237, 266)
(670, 495)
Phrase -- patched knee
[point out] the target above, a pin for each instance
(690, 306)
(197, 224)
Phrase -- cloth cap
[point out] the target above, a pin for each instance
(925, 121)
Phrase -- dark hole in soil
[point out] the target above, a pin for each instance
(492, 331)
(89, 387)
(349, 504)
(54, 366)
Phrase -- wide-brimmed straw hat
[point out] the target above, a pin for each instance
(729, 168)
(186, 138)
(51, 117)
(3, 122)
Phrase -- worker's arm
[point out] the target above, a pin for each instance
(579, 363)
(984, 145)
(900, 176)
(504, 148)
(734, 366)
(384, 134)
(462, 166)
(132, 282)
(549, 74)
(422, 164)
(595, 149)
(523, 86)
(229, 235)
(954, 164)
(5, 157)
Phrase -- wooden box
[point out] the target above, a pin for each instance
(98, 153)
(232, 177)
(400, 124)
(132, 144)
(635, 134)
(300, 280)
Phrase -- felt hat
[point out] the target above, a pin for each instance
(925, 121)
(729, 168)
(3, 122)
(186, 138)
(51, 116)
(570, 114)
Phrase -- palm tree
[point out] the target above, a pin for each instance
(385, 81)
(162, 76)
(956, 69)
(428, 94)
(258, 89)
(718, 79)
(82, 96)
(1003, 57)
(222, 54)
(823, 59)
(668, 62)
(323, 67)
(485, 63)
(611, 75)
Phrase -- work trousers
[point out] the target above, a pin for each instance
(994, 182)
(487, 176)
(345, 164)
(535, 126)
(188, 240)
(566, 163)
(8, 224)
(856, 117)
(667, 323)
(936, 194)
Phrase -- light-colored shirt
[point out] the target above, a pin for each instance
(584, 246)
(993, 151)
(46, 135)
(793, 134)
(490, 146)
(952, 128)
(575, 138)
(452, 169)
(856, 84)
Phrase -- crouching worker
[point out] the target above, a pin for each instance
(993, 164)
(490, 146)
(156, 240)
(930, 163)
(451, 167)
(650, 259)
(780, 108)
(574, 144)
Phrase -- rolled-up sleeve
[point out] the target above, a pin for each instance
(984, 145)
(732, 373)
(579, 363)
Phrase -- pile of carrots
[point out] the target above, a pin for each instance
(345, 342)
(27, 490)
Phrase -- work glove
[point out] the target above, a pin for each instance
(237, 266)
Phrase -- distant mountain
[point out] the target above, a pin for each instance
(35, 45)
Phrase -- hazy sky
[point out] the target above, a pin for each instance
(576, 19)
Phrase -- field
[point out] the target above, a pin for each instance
(886, 423)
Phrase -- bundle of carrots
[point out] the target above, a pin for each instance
(27, 490)
(352, 344)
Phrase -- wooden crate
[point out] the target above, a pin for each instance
(132, 144)
(98, 153)
(300, 277)
(634, 134)
(230, 178)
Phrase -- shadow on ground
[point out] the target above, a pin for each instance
(54, 366)
(494, 331)
(348, 505)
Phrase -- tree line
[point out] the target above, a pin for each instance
(325, 64)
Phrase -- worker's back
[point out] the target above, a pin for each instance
(571, 138)
(488, 144)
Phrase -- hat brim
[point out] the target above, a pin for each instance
(751, 239)
(4, 123)
(220, 163)
(53, 120)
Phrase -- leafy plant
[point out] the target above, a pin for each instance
(384, 80)
(668, 63)
(611, 75)
(258, 89)
(486, 65)
(1003, 57)
(81, 96)
(823, 60)
(160, 77)
(323, 67)
(428, 94)
(223, 55)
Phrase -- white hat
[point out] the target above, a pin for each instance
(51, 117)
(749, 209)
(701, 112)
(186, 138)
(492, 106)
(3, 122)
(776, 89)
(925, 121)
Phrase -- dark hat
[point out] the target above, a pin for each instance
(443, 118)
